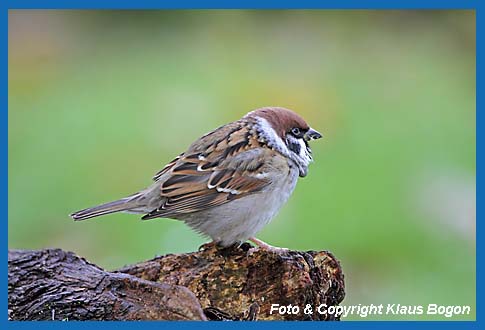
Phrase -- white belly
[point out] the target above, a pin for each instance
(242, 218)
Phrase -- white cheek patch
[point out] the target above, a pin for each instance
(269, 134)
(304, 152)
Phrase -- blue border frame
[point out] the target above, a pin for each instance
(236, 4)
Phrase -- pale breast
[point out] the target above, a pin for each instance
(243, 218)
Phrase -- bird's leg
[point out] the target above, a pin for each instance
(265, 246)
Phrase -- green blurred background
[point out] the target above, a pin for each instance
(101, 100)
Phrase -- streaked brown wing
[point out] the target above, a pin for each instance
(226, 164)
(167, 168)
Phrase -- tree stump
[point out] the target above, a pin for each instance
(236, 283)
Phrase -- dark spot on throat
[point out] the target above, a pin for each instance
(294, 146)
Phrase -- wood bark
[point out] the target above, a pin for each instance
(236, 283)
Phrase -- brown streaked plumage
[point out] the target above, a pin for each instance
(220, 184)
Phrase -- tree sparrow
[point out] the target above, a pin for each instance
(229, 183)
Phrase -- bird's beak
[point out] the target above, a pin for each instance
(311, 134)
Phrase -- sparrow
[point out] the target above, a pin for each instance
(230, 182)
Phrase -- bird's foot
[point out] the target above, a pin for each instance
(265, 246)
(208, 246)
(218, 246)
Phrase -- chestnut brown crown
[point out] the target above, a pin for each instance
(282, 120)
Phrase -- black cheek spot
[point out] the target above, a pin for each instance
(294, 146)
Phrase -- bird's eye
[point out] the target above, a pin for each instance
(296, 131)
